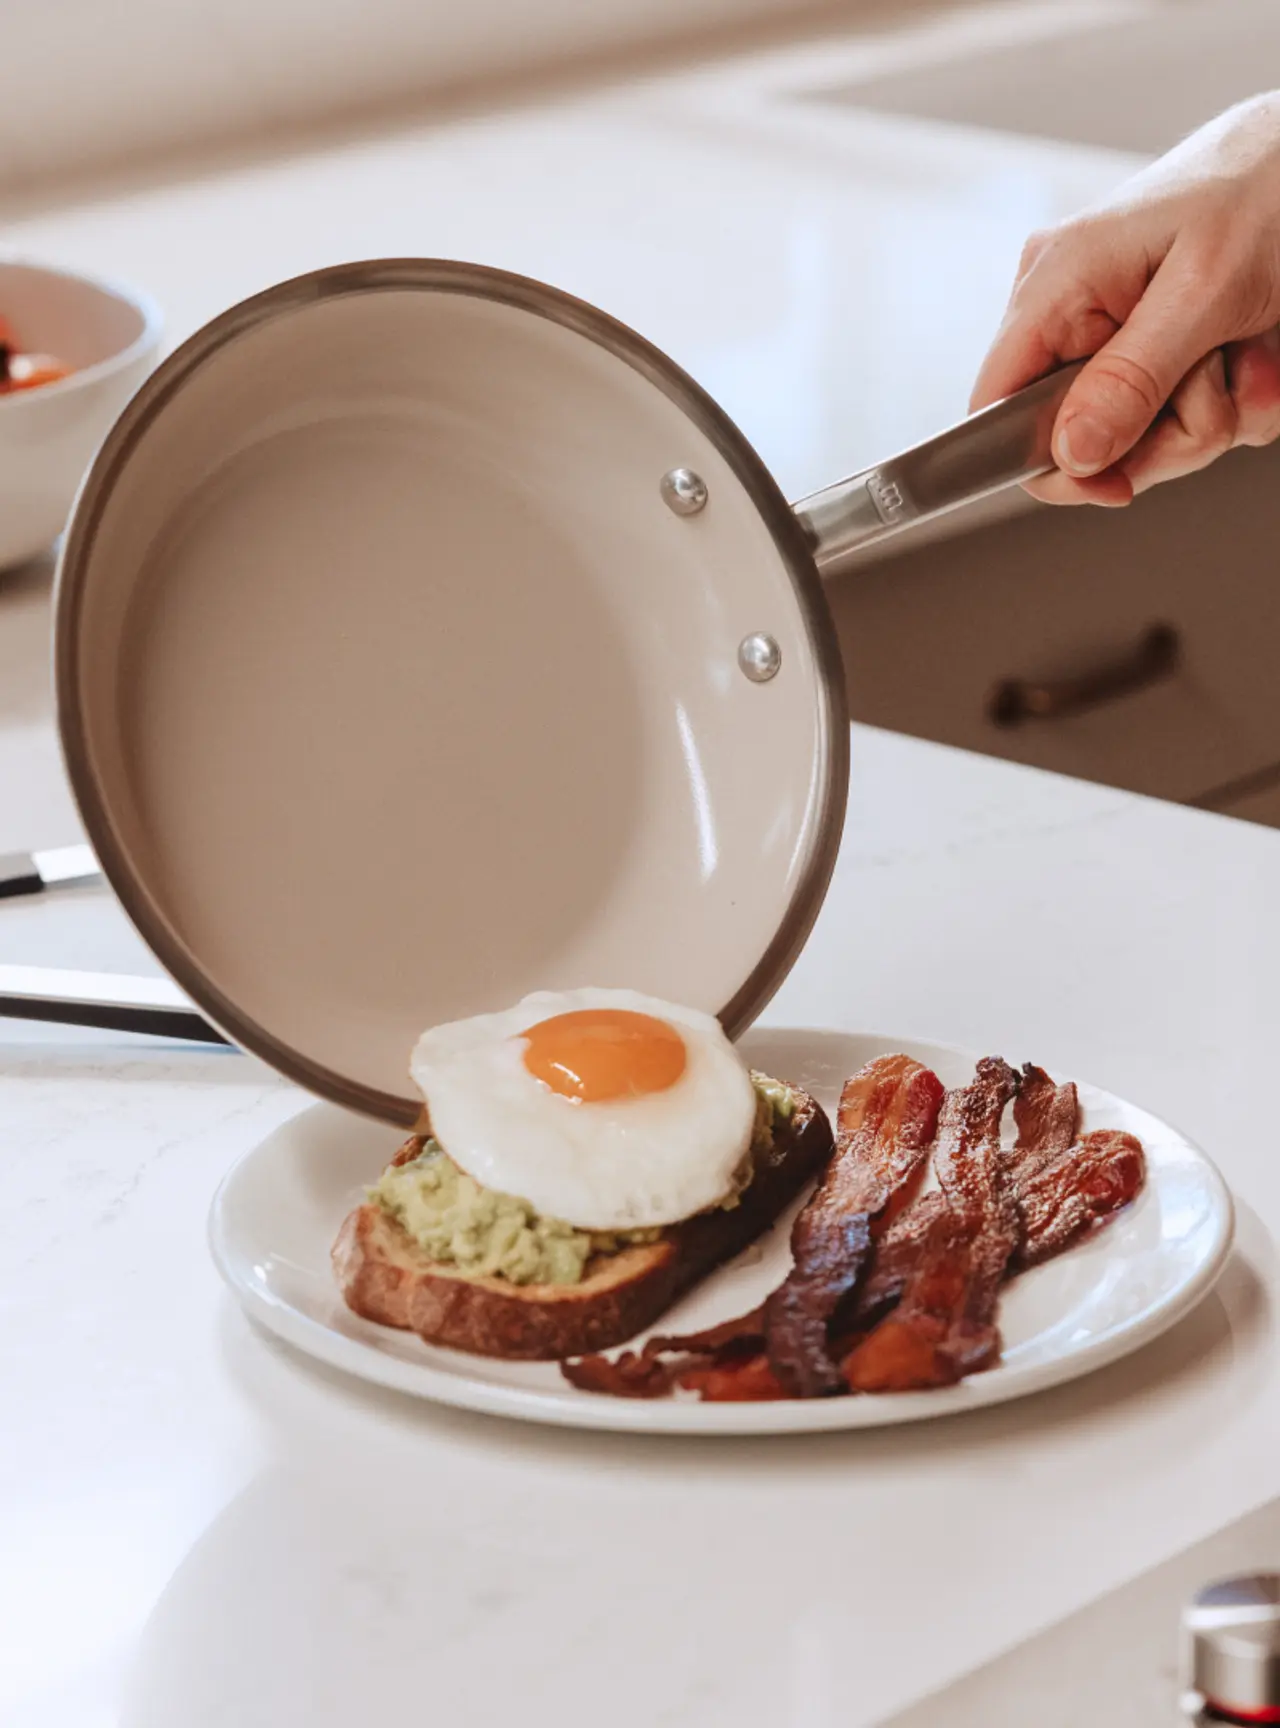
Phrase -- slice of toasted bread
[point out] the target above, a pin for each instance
(385, 1276)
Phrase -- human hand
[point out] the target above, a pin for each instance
(1174, 287)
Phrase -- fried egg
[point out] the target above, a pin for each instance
(604, 1109)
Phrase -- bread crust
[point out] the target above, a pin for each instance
(386, 1278)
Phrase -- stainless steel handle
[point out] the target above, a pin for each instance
(1231, 1637)
(1001, 446)
(104, 999)
(1014, 701)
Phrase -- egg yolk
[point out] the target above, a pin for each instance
(595, 1054)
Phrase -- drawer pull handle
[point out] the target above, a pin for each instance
(1014, 701)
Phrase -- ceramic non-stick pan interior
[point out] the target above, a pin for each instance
(392, 687)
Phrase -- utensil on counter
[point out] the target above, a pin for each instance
(110, 337)
(425, 637)
(1231, 1638)
(112, 1000)
(59, 867)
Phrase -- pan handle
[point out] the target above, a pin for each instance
(998, 447)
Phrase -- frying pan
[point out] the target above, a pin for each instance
(424, 636)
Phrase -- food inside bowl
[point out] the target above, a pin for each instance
(23, 370)
(587, 1157)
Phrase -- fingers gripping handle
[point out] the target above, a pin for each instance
(998, 447)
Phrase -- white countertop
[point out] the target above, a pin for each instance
(197, 1527)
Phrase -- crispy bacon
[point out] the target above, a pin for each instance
(633, 1374)
(944, 1326)
(1047, 1118)
(908, 1350)
(747, 1330)
(750, 1381)
(662, 1364)
(941, 1257)
(1068, 1198)
(888, 1113)
(898, 1253)
(1076, 1192)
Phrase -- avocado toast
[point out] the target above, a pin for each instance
(400, 1264)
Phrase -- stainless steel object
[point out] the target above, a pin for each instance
(760, 657)
(684, 491)
(60, 867)
(110, 1000)
(1232, 1631)
(999, 447)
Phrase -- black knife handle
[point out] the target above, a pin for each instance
(18, 874)
(188, 1026)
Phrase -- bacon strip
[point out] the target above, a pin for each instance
(665, 1363)
(888, 1113)
(1076, 1192)
(633, 1374)
(897, 1256)
(1047, 1118)
(750, 1381)
(1072, 1196)
(934, 1257)
(944, 1326)
(747, 1330)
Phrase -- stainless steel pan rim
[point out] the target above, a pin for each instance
(440, 276)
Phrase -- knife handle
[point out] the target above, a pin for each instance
(18, 875)
(189, 1028)
(113, 1002)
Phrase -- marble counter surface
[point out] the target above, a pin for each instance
(202, 1527)
(199, 1527)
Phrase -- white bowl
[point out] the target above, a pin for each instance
(48, 435)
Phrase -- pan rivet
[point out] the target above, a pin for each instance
(684, 491)
(759, 657)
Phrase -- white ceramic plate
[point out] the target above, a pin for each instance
(275, 1216)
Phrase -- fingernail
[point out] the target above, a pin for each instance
(1085, 445)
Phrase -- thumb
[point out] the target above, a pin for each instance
(1129, 380)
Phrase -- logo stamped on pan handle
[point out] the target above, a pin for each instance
(887, 497)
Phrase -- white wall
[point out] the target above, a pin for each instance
(90, 81)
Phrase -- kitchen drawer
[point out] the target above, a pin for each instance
(930, 634)
(1254, 799)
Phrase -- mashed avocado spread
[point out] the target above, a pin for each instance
(460, 1224)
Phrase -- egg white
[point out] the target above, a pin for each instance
(621, 1164)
